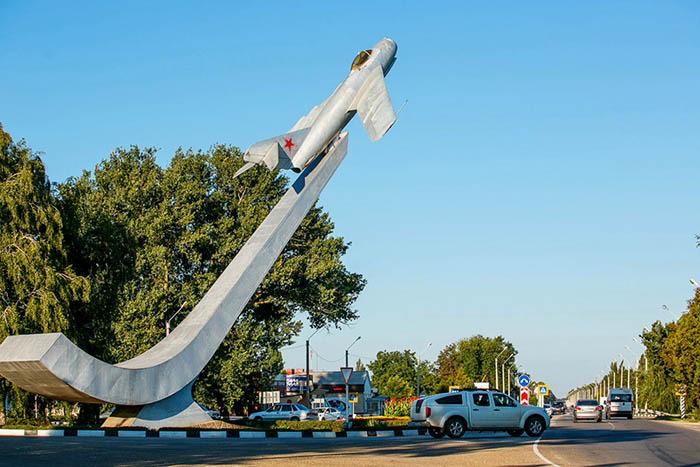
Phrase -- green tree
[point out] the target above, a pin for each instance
(37, 285)
(681, 352)
(473, 359)
(153, 239)
(359, 366)
(656, 385)
(397, 365)
(397, 388)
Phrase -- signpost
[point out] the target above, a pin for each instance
(347, 373)
(681, 391)
(524, 396)
(454, 389)
(542, 390)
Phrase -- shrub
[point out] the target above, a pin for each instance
(399, 407)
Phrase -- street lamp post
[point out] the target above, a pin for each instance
(622, 369)
(418, 369)
(346, 350)
(167, 322)
(307, 397)
(503, 371)
(504, 349)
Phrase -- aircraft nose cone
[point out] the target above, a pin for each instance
(390, 45)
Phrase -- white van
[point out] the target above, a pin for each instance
(620, 403)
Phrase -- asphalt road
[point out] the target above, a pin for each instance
(620, 442)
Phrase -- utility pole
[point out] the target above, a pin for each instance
(307, 397)
(346, 350)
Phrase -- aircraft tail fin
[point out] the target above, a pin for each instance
(374, 105)
(275, 153)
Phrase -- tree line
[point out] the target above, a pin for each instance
(671, 357)
(462, 363)
(107, 257)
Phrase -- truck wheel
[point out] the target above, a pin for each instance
(436, 433)
(455, 427)
(516, 433)
(629, 417)
(534, 426)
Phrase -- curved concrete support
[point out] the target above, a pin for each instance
(51, 365)
(177, 410)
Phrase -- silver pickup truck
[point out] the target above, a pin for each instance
(453, 414)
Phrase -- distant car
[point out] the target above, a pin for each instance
(558, 408)
(293, 412)
(212, 413)
(620, 403)
(587, 409)
(329, 413)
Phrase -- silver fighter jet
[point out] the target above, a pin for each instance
(363, 91)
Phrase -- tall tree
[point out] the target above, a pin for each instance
(153, 240)
(395, 373)
(37, 285)
(656, 388)
(473, 359)
(681, 352)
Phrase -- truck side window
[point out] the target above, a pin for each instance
(453, 399)
(501, 400)
(481, 399)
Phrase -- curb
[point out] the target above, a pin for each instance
(239, 434)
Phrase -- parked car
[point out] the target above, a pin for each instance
(453, 414)
(293, 412)
(620, 403)
(329, 413)
(587, 409)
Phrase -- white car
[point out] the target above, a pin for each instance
(293, 412)
(329, 413)
(453, 414)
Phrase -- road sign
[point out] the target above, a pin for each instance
(524, 396)
(681, 389)
(454, 388)
(353, 398)
(347, 372)
(523, 380)
(542, 390)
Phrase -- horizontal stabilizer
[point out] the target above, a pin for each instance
(275, 153)
(374, 106)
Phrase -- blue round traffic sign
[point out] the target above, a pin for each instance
(523, 380)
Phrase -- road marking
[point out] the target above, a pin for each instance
(610, 423)
(537, 451)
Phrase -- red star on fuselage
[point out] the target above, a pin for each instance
(288, 144)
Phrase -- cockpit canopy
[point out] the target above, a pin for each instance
(360, 60)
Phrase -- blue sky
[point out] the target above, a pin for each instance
(540, 184)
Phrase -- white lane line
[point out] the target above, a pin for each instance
(539, 454)
(610, 423)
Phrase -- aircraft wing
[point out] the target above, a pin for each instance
(374, 106)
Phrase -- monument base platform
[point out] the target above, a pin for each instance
(178, 410)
